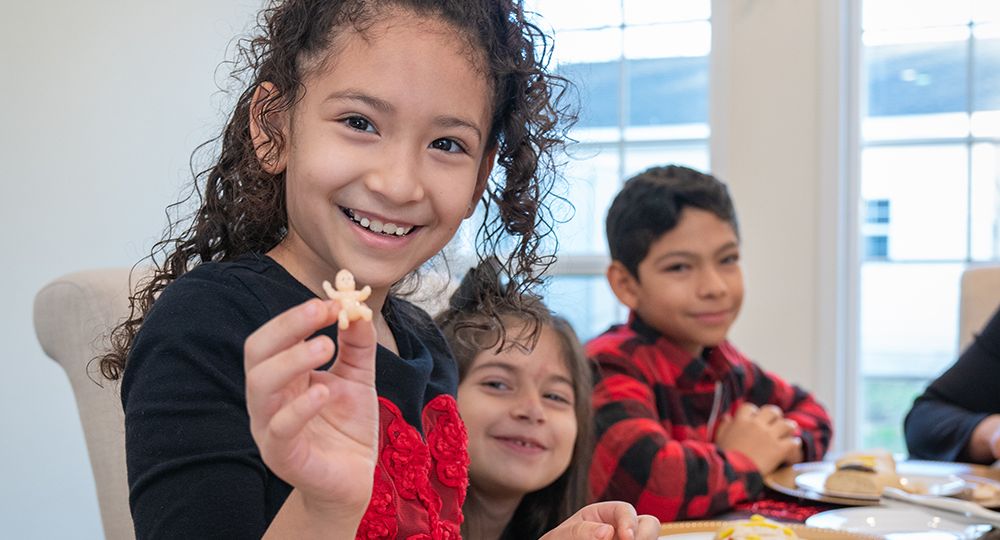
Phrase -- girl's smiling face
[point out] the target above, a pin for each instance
(385, 153)
(518, 409)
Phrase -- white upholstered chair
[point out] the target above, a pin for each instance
(980, 299)
(72, 315)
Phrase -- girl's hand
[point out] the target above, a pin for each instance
(317, 430)
(613, 520)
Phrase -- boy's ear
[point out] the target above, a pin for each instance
(272, 159)
(482, 177)
(623, 284)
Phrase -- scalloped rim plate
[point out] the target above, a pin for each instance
(705, 530)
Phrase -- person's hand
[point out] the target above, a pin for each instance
(796, 454)
(984, 443)
(317, 430)
(763, 435)
(612, 520)
(995, 442)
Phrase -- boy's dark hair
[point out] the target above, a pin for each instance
(469, 332)
(241, 207)
(650, 204)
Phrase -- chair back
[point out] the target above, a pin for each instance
(72, 315)
(980, 299)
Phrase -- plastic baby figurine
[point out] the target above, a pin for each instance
(351, 306)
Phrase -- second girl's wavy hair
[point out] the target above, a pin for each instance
(469, 331)
(241, 207)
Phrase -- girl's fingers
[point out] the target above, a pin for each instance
(287, 329)
(267, 378)
(356, 355)
(290, 419)
(579, 530)
(625, 520)
(648, 529)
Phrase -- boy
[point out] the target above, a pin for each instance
(686, 425)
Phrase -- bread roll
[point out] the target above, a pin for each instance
(866, 473)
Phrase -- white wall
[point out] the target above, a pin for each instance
(776, 111)
(103, 102)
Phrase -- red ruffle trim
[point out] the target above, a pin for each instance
(420, 485)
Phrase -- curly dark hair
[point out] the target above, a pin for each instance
(469, 332)
(241, 207)
(650, 204)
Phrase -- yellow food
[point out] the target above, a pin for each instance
(756, 528)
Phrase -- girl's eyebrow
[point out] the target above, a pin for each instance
(456, 122)
(514, 370)
(357, 95)
(561, 379)
(496, 364)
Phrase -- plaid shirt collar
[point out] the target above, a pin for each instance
(711, 360)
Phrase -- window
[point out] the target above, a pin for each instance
(875, 229)
(644, 102)
(930, 170)
(877, 211)
(876, 247)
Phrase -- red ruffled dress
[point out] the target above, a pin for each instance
(420, 484)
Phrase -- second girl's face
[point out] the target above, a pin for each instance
(386, 152)
(518, 410)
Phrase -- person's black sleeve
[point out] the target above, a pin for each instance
(942, 419)
(193, 468)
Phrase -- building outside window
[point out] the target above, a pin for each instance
(930, 167)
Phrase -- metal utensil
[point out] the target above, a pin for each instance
(968, 509)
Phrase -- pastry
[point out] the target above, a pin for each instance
(866, 473)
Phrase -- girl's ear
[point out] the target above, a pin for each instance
(272, 158)
(623, 284)
(482, 177)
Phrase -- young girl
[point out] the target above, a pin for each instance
(367, 133)
(526, 406)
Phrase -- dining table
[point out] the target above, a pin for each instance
(794, 495)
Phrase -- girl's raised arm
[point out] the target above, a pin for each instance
(317, 430)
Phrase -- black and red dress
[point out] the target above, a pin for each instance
(193, 468)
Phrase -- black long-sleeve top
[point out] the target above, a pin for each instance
(194, 470)
(941, 421)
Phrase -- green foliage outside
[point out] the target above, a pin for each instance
(887, 400)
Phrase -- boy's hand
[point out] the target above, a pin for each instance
(317, 430)
(764, 435)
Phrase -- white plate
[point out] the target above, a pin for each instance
(913, 478)
(898, 523)
(705, 530)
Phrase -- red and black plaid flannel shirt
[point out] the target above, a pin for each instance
(652, 405)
